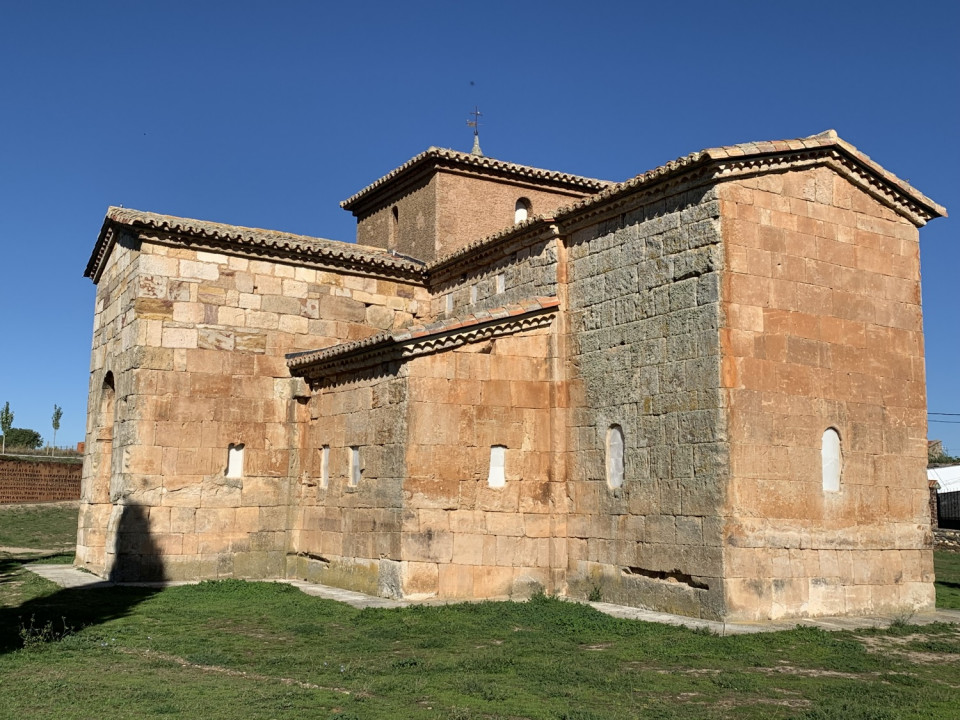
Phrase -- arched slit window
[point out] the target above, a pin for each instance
(521, 210)
(107, 395)
(235, 460)
(394, 225)
(614, 447)
(100, 492)
(832, 458)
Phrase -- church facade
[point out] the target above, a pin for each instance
(699, 391)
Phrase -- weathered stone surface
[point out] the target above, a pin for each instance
(718, 323)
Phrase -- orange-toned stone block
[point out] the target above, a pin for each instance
(456, 581)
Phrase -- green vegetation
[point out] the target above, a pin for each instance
(51, 525)
(265, 650)
(55, 422)
(935, 459)
(947, 567)
(22, 438)
(6, 422)
(24, 454)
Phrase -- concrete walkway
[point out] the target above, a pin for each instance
(824, 623)
(70, 577)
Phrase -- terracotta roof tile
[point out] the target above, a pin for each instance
(479, 163)
(825, 140)
(240, 238)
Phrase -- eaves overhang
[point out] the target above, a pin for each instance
(415, 340)
(248, 242)
(715, 165)
(435, 158)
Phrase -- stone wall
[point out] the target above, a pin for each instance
(946, 539)
(423, 519)
(823, 330)
(207, 372)
(348, 534)
(439, 216)
(22, 481)
(644, 355)
(463, 538)
(520, 270)
(116, 348)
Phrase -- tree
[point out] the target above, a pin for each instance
(6, 421)
(57, 414)
(23, 438)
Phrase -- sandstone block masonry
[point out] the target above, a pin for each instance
(699, 391)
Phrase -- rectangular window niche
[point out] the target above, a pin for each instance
(235, 460)
(354, 478)
(325, 467)
(497, 477)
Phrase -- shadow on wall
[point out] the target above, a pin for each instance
(136, 557)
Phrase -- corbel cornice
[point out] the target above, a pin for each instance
(324, 366)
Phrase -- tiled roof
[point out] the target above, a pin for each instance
(481, 164)
(534, 224)
(752, 155)
(254, 241)
(415, 333)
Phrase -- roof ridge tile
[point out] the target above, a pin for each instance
(481, 161)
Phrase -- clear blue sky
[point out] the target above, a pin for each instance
(269, 114)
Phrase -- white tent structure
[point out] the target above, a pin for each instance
(948, 478)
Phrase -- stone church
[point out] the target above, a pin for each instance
(700, 390)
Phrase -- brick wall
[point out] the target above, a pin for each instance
(22, 481)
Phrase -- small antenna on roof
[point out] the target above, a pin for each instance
(475, 124)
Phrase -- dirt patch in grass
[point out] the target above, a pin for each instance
(184, 663)
(928, 648)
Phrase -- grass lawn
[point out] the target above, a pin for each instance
(262, 650)
(51, 525)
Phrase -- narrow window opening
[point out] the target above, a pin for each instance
(832, 458)
(325, 467)
(614, 456)
(521, 210)
(104, 438)
(394, 226)
(235, 460)
(501, 283)
(355, 469)
(497, 477)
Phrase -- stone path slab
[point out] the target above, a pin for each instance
(70, 577)
(824, 623)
